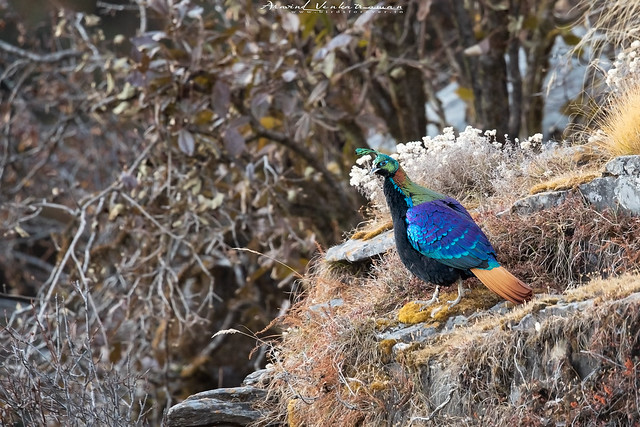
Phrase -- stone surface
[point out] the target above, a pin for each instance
(617, 190)
(220, 407)
(623, 165)
(538, 202)
(359, 250)
(261, 376)
(620, 194)
(408, 334)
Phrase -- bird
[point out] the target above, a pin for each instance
(436, 238)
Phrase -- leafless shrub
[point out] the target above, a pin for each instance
(57, 368)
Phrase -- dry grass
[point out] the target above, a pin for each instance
(559, 248)
(484, 363)
(333, 369)
(566, 181)
(620, 124)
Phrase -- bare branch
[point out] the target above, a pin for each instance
(43, 58)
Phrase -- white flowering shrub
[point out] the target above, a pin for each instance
(625, 70)
(470, 166)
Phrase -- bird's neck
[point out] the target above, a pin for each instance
(399, 188)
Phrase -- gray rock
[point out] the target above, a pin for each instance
(224, 406)
(359, 250)
(616, 193)
(618, 190)
(261, 376)
(538, 202)
(623, 165)
(456, 321)
(409, 334)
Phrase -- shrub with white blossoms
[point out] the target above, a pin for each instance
(626, 69)
(471, 165)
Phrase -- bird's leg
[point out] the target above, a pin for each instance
(461, 292)
(433, 299)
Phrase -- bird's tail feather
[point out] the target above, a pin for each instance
(503, 283)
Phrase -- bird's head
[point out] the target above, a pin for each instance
(383, 165)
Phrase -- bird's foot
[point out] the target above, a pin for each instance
(434, 299)
(461, 293)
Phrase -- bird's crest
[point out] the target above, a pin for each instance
(389, 167)
(364, 151)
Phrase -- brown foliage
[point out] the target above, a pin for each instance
(561, 247)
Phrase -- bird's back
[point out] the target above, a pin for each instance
(425, 268)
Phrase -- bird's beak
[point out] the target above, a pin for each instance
(373, 170)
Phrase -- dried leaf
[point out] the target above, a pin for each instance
(289, 75)
(465, 93)
(480, 48)
(233, 141)
(203, 117)
(329, 64)
(120, 108)
(318, 92)
(302, 127)
(290, 22)
(186, 142)
(339, 41)
(195, 184)
(21, 231)
(210, 204)
(270, 122)
(127, 92)
(260, 104)
(221, 98)
(115, 211)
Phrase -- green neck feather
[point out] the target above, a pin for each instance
(415, 193)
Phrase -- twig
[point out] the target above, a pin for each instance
(272, 259)
(45, 58)
(435, 411)
(143, 16)
(116, 7)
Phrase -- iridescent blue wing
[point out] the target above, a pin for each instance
(452, 237)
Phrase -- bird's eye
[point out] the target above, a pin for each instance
(382, 163)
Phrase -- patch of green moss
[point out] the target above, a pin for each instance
(478, 298)
(413, 312)
(386, 346)
(293, 420)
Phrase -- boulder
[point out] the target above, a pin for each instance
(220, 407)
(623, 165)
(618, 190)
(538, 202)
(359, 250)
(620, 194)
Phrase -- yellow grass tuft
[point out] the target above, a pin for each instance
(564, 182)
(621, 124)
(369, 233)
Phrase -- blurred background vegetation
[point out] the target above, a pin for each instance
(168, 169)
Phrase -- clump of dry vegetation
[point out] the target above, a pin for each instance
(580, 369)
(620, 125)
(332, 363)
